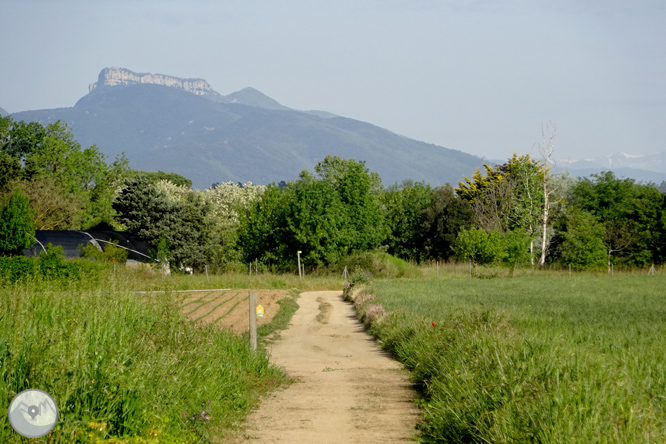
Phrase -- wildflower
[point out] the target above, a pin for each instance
(433, 323)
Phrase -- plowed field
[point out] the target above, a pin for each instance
(229, 309)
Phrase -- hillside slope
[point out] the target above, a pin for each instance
(245, 136)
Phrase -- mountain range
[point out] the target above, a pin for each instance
(184, 126)
(172, 124)
(644, 168)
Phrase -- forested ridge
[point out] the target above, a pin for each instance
(517, 214)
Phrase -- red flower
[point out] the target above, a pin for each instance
(433, 323)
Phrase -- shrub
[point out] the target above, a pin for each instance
(360, 276)
(17, 224)
(51, 262)
(375, 263)
(113, 253)
(90, 251)
(17, 268)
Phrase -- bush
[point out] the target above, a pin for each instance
(50, 266)
(111, 253)
(360, 276)
(90, 251)
(375, 264)
(17, 268)
(51, 262)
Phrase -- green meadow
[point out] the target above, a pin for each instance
(539, 358)
(126, 367)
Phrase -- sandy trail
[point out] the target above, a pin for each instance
(347, 391)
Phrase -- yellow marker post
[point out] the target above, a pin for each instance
(260, 311)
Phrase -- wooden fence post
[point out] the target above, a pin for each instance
(253, 320)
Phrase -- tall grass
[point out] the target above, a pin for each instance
(542, 359)
(154, 281)
(315, 278)
(123, 365)
(433, 269)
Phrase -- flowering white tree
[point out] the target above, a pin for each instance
(225, 201)
(228, 199)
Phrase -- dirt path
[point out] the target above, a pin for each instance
(347, 389)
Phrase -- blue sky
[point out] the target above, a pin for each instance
(478, 76)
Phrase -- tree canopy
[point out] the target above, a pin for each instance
(17, 226)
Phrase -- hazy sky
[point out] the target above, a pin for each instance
(480, 76)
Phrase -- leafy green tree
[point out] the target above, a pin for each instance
(404, 206)
(151, 215)
(479, 246)
(59, 155)
(475, 189)
(517, 245)
(99, 209)
(54, 208)
(629, 213)
(582, 244)
(262, 232)
(10, 170)
(660, 250)
(335, 170)
(20, 139)
(326, 216)
(156, 176)
(442, 220)
(358, 190)
(317, 223)
(17, 227)
(508, 197)
(225, 200)
(50, 157)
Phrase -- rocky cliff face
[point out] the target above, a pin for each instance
(122, 76)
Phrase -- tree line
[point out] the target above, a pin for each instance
(517, 213)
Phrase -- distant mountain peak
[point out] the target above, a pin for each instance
(111, 77)
(252, 97)
(182, 125)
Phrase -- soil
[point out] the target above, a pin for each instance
(346, 389)
(229, 309)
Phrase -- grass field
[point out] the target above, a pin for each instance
(125, 367)
(154, 281)
(542, 358)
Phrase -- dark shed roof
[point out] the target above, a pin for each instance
(73, 241)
